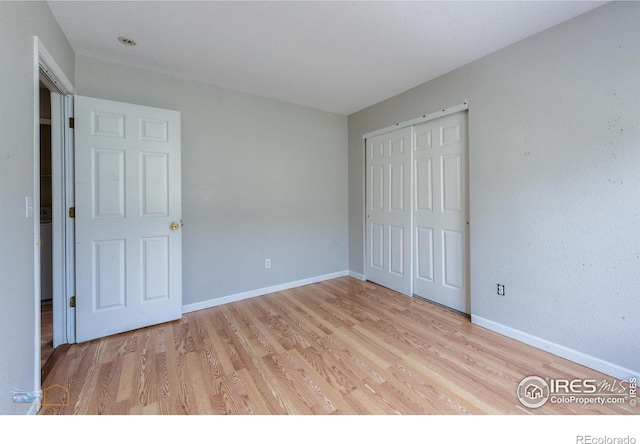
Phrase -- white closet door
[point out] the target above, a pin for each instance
(441, 214)
(128, 210)
(388, 210)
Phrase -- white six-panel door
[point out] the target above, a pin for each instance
(128, 217)
(388, 210)
(441, 231)
(417, 231)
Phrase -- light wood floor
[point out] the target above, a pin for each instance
(46, 335)
(337, 347)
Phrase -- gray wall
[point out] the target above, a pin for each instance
(554, 182)
(19, 22)
(260, 179)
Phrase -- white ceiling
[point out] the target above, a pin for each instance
(335, 56)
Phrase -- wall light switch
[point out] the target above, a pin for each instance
(28, 201)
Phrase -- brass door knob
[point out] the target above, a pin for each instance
(174, 225)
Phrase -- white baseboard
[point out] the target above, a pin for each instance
(358, 276)
(259, 292)
(608, 368)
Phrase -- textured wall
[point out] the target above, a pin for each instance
(19, 22)
(260, 179)
(554, 185)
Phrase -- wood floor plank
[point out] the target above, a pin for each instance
(232, 398)
(295, 328)
(432, 401)
(327, 383)
(304, 384)
(214, 345)
(127, 367)
(338, 347)
(351, 359)
(263, 392)
(323, 319)
(325, 367)
(374, 355)
(46, 332)
(201, 389)
(282, 383)
(255, 402)
(367, 401)
(262, 334)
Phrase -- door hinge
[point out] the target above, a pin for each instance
(71, 122)
(72, 212)
(72, 301)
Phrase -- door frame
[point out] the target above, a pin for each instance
(63, 226)
(425, 118)
(46, 68)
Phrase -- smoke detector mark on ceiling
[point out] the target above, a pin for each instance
(126, 41)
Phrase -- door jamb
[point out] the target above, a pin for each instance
(63, 225)
(46, 68)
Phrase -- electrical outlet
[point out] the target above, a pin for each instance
(267, 263)
(500, 290)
